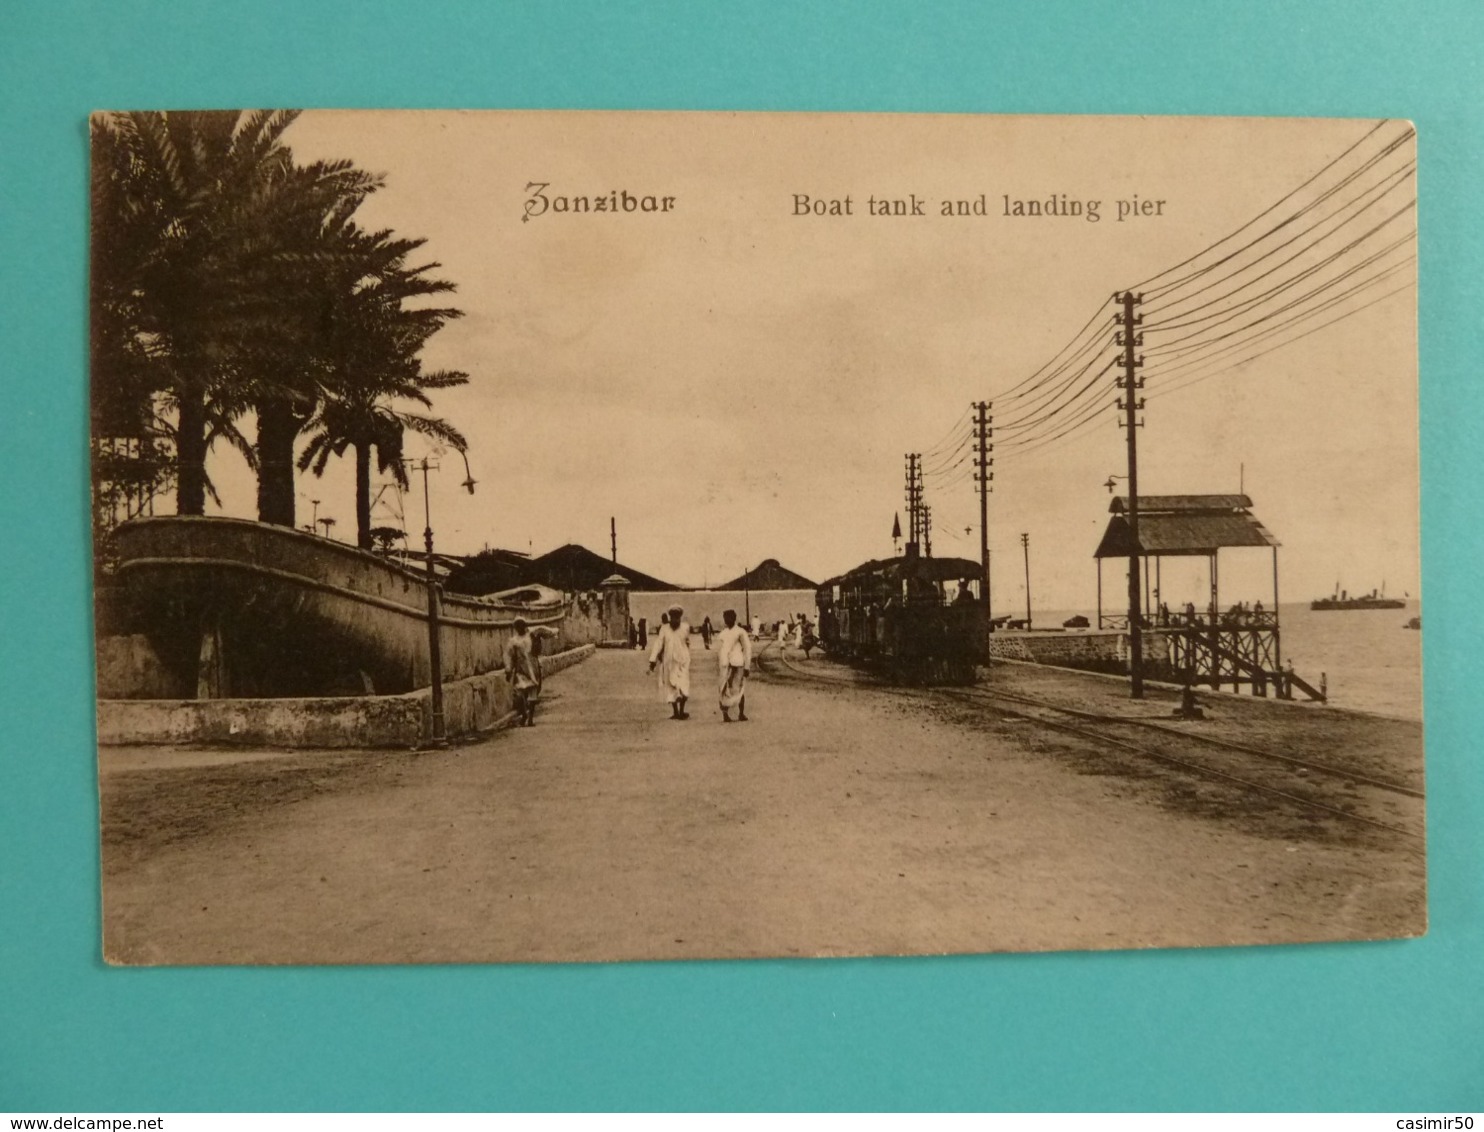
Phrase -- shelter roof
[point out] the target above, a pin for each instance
(1150, 504)
(1175, 533)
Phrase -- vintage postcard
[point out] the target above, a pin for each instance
(567, 536)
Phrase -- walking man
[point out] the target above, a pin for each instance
(733, 659)
(523, 671)
(671, 654)
(706, 632)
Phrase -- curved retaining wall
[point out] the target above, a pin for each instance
(478, 703)
(209, 607)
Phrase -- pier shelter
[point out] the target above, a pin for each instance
(1238, 645)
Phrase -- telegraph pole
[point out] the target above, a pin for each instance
(927, 530)
(1025, 543)
(982, 475)
(914, 499)
(613, 539)
(1130, 405)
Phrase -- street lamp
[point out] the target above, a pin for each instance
(439, 737)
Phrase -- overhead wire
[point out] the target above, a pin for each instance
(1192, 380)
(1333, 301)
(1052, 408)
(1196, 342)
(1390, 148)
(1385, 189)
(1146, 283)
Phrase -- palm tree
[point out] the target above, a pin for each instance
(368, 422)
(376, 367)
(333, 260)
(207, 240)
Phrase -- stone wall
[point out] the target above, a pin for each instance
(129, 666)
(1097, 651)
(475, 704)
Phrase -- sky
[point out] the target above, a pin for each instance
(732, 381)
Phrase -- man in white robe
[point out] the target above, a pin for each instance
(671, 654)
(733, 659)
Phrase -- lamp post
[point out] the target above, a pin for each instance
(439, 736)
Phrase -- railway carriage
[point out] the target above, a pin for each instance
(918, 620)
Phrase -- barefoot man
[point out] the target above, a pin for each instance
(671, 652)
(523, 671)
(733, 659)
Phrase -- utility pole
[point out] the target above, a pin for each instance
(982, 475)
(1130, 404)
(1025, 543)
(914, 499)
(927, 530)
(613, 538)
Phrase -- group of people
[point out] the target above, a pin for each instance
(670, 657)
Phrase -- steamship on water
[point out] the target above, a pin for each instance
(1341, 599)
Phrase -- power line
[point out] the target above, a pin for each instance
(1297, 255)
(1013, 394)
(1039, 403)
(1050, 414)
(1146, 284)
(947, 437)
(1172, 351)
(1199, 360)
(1188, 379)
(1283, 224)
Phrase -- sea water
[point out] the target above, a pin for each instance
(1371, 660)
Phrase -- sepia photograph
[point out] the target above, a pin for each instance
(579, 536)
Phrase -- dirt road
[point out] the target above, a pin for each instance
(838, 821)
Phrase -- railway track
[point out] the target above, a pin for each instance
(1314, 786)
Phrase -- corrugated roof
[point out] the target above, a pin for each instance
(1175, 534)
(1149, 504)
(769, 575)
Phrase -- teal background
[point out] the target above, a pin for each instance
(1361, 1026)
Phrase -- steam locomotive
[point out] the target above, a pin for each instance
(917, 620)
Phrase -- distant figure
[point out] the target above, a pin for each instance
(633, 634)
(965, 594)
(643, 632)
(706, 631)
(523, 670)
(733, 659)
(757, 626)
(671, 654)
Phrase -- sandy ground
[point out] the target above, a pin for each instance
(841, 820)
